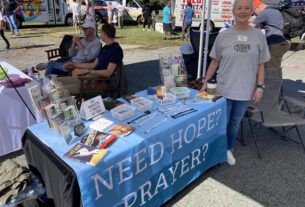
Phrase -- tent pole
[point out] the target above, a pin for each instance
(205, 59)
(201, 40)
(18, 93)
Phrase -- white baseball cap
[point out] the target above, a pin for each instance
(89, 23)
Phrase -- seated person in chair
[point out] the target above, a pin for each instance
(109, 58)
(82, 50)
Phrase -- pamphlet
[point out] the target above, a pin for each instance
(95, 138)
(86, 154)
(204, 95)
(101, 124)
(122, 130)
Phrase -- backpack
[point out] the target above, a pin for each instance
(294, 19)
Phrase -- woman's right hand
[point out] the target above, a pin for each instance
(204, 86)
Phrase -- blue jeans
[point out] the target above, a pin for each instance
(56, 68)
(235, 113)
(12, 21)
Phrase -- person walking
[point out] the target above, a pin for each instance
(83, 11)
(10, 9)
(240, 54)
(121, 9)
(147, 11)
(187, 16)
(75, 9)
(272, 21)
(167, 20)
(109, 11)
(2, 28)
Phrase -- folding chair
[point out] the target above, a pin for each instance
(62, 53)
(269, 112)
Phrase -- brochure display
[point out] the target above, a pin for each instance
(53, 102)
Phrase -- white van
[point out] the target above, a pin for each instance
(133, 9)
(221, 13)
(53, 12)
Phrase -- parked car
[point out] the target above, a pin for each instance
(100, 8)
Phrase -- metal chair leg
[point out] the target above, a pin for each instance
(300, 137)
(254, 138)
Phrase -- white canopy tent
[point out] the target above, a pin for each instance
(203, 22)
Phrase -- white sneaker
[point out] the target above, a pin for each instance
(231, 160)
(143, 29)
(148, 30)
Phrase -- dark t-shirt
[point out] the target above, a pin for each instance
(109, 54)
(147, 11)
(10, 7)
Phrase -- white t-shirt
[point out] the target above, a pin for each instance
(75, 9)
(120, 10)
(239, 52)
(115, 18)
(1, 17)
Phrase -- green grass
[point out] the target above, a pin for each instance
(134, 35)
(129, 35)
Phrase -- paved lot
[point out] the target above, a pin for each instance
(276, 180)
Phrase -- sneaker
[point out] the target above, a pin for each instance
(164, 38)
(12, 33)
(41, 66)
(148, 30)
(17, 34)
(231, 160)
(143, 29)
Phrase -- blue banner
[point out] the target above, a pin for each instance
(148, 169)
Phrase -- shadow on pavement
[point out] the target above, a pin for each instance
(32, 46)
(142, 75)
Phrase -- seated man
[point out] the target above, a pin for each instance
(104, 65)
(82, 50)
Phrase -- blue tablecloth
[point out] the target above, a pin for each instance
(148, 169)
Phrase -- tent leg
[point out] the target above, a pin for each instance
(254, 138)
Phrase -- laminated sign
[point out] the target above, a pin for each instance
(92, 108)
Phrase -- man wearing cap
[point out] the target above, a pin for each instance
(82, 50)
(272, 21)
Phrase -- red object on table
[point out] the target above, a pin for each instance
(108, 141)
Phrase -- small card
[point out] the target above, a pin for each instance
(92, 108)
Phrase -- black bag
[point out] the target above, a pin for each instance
(294, 20)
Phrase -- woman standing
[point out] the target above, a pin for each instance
(11, 7)
(239, 53)
(2, 29)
